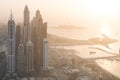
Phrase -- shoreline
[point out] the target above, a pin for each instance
(55, 40)
(69, 58)
(108, 71)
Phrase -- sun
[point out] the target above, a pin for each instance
(106, 29)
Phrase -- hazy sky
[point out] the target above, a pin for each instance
(58, 12)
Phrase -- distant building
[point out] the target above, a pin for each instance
(20, 52)
(44, 31)
(29, 57)
(21, 60)
(28, 45)
(11, 46)
(40, 32)
(26, 28)
(45, 54)
(33, 31)
(3, 64)
(33, 38)
(26, 25)
(39, 41)
(18, 38)
(29, 53)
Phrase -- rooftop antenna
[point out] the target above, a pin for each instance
(11, 16)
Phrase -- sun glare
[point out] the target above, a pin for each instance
(106, 29)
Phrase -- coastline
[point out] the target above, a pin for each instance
(60, 58)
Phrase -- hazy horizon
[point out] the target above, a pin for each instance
(66, 40)
(93, 13)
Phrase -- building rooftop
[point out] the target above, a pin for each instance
(29, 43)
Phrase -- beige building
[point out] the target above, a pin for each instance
(39, 32)
(29, 57)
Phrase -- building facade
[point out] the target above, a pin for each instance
(21, 60)
(26, 25)
(29, 57)
(11, 46)
(45, 54)
(2, 63)
(18, 39)
(28, 45)
(40, 32)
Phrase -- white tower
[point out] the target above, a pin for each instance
(29, 56)
(21, 59)
(45, 54)
(11, 46)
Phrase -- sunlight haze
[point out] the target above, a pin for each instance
(59, 39)
(85, 13)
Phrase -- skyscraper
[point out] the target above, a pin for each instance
(45, 54)
(21, 60)
(18, 38)
(28, 45)
(29, 54)
(11, 46)
(44, 31)
(26, 25)
(29, 57)
(20, 55)
(39, 40)
(40, 30)
(33, 38)
(33, 31)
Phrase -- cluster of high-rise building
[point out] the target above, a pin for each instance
(27, 45)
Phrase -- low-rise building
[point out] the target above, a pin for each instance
(3, 63)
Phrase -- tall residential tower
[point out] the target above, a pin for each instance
(39, 32)
(26, 25)
(45, 54)
(20, 57)
(28, 45)
(11, 46)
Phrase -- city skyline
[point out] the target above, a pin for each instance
(27, 53)
(60, 40)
